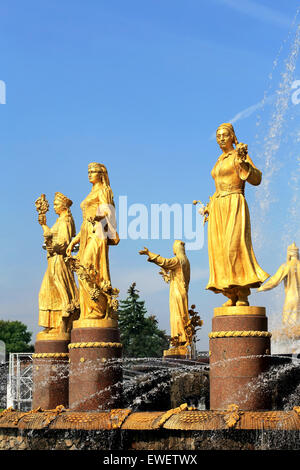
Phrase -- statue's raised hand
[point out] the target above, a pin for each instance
(242, 152)
(42, 219)
(145, 251)
(204, 210)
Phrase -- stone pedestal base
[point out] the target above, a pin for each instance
(239, 352)
(95, 369)
(50, 374)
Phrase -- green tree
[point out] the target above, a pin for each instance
(140, 335)
(15, 336)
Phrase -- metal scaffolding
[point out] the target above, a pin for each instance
(20, 385)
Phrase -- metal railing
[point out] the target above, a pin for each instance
(20, 384)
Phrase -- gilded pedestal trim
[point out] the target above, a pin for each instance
(242, 310)
(94, 344)
(235, 334)
(49, 355)
(56, 336)
(96, 323)
(178, 351)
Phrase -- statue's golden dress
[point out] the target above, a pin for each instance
(58, 289)
(179, 283)
(94, 247)
(232, 260)
(289, 273)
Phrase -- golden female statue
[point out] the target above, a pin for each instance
(58, 296)
(97, 232)
(289, 273)
(175, 270)
(233, 266)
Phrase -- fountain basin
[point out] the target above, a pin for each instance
(180, 428)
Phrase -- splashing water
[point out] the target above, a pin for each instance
(147, 383)
(276, 205)
(152, 384)
(277, 143)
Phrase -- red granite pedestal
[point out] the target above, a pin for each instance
(50, 374)
(95, 381)
(239, 355)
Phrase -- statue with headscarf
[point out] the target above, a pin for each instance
(289, 273)
(232, 262)
(176, 272)
(58, 295)
(97, 233)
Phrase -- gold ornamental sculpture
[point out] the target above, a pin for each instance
(98, 299)
(183, 323)
(238, 330)
(233, 268)
(289, 274)
(58, 296)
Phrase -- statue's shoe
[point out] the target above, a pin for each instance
(230, 302)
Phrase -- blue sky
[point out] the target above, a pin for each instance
(141, 86)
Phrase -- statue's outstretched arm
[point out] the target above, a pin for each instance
(166, 263)
(276, 279)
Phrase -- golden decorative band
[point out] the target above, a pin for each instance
(232, 334)
(50, 355)
(96, 323)
(179, 351)
(94, 345)
(168, 414)
(240, 310)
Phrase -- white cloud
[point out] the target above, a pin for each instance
(245, 113)
(259, 12)
(251, 109)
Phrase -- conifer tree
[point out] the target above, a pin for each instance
(140, 335)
